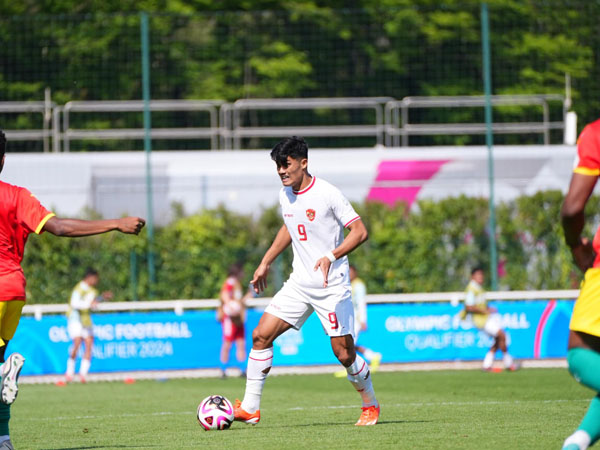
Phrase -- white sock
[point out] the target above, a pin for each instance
(259, 364)
(85, 367)
(70, 367)
(507, 359)
(369, 354)
(580, 438)
(360, 377)
(489, 359)
(4, 437)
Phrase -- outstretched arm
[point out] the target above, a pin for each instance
(358, 234)
(573, 219)
(280, 243)
(76, 227)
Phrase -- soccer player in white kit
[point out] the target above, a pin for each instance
(315, 214)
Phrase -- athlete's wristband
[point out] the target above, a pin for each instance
(330, 256)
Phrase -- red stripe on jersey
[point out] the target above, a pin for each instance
(352, 221)
(312, 183)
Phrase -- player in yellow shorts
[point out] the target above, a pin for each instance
(583, 355)
(21, 214)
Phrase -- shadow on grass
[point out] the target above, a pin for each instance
(328, 424)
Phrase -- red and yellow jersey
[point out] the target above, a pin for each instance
(20, 214)
(588, 150)
(586, 313)
(588, 163)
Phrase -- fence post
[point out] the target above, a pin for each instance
(489, 140)
(133, 275)
(144, 31)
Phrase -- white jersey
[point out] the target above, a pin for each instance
(315, 218)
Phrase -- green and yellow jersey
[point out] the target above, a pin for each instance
(475, 296)
(80, 304)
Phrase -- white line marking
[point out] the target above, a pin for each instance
(417, 404)
(108, 416)
(311, 408)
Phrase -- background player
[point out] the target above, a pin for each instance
(359, 302)
(84, 298)
(485, 319)
(232, 314)
(20, 215)
(315, 214)
(583, 355)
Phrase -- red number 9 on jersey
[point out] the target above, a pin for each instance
(302, 232)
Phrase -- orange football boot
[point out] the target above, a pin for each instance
(242, 416)
(369, 416)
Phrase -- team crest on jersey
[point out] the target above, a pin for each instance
(310, 213)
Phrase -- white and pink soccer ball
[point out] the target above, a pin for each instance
(215, 412)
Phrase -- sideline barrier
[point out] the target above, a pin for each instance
(403, 327)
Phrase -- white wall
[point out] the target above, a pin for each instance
(113, 183)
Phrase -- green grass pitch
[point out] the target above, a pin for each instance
(529, 409)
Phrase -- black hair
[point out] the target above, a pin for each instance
(235, 269)
(2, 143)
(294, 147)
(476, 269)
(90, 271)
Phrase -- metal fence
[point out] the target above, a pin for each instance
(211, 131)
(421, 50)
(399, 127)
(234, 126)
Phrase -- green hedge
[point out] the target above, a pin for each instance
(429, 249)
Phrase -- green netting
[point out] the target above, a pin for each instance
(420, 49)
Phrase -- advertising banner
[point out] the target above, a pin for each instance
(407, 332)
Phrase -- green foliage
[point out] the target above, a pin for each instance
(282, 48)
(194, 253)
(431, 248)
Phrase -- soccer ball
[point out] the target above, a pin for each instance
(215, 412)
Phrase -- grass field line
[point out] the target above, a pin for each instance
(476, 403)
(284, 370)
(107, 416)
(309, 408)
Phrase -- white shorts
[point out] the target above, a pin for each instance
(333, 305)
(492, 325)
(77, 330)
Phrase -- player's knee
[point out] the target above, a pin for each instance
(345, 356)
(260, 340)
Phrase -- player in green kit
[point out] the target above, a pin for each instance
(583, 355)
(485, 319)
